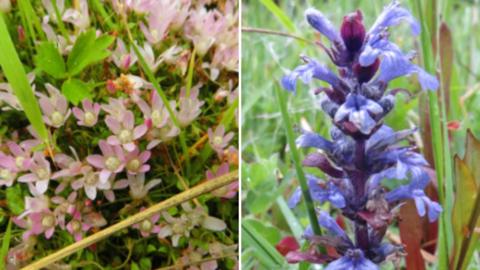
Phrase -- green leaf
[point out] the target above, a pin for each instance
(88, 50)
(281, 16)
(265, 253)
(15, 199)
(145, 264)
(134, 266)
(49, 60)
(75, 91)
(5, 244)
(466, 210)
(15, 73)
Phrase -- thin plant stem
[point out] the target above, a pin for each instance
(199, 261)
(275, 33)
(185, 196)
(156, 85)
(296, 159)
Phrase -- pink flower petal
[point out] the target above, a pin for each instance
(96, 161)
(42, 186)
(49, 232)
(139, 131)
(113, 124)
(27, 178)
(105, 175)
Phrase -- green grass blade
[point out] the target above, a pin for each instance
(282, 103)
(265, 252)
(279, 14)
(98, 6)
(5, 244)
(158, 88)
(33, 20)
(441, 147)
(15, 74)
(191, 67)
(295, 226)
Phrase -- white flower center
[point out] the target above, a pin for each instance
(125, 136)
(112, 163)
(134, 164)
(48, 221)
(217, 140)
(146, 226)
(42, 173)
(76, 226)
(19, 162)
(157, 118)
(57, 118)
(89, 119)
(178, 228)
(91, 179)
(5, 174)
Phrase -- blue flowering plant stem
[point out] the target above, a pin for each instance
(363, 152)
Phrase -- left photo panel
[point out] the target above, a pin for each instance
(119, 134)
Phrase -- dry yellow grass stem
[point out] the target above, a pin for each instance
(187, 195)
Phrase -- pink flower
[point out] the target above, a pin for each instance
(54, 107)
(189, 107)
(64, 207)
(203, 28)
(8, 170)
(218, 139)
(125, 132)
(78, 16)
(123, 58)
(175, 227)
(156, 113)
(149, 56)
(7, 95)
(148, 226)
(226, 192)
(40, 173)
(138, 188)
(91, 181)
(76, 227)
(87, 117)
(69, 168)
(22, 153)
(43, 222)
(164, 15)
(111, 162)
(136, 161)
(115, 107)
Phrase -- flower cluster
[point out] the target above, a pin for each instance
(121, 139)
(363, 151)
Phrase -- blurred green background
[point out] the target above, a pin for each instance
(268, 177)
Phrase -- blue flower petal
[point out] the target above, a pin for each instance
(434, 210)
(394, 66)
(392, 15)
(327, 222)
(318, 21)
(306, 72)
(295, 198)
(310, 139)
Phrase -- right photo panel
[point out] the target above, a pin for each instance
(360, 134)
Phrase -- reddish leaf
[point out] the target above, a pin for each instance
(411, 234)
(446, 60)
(287, 244)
